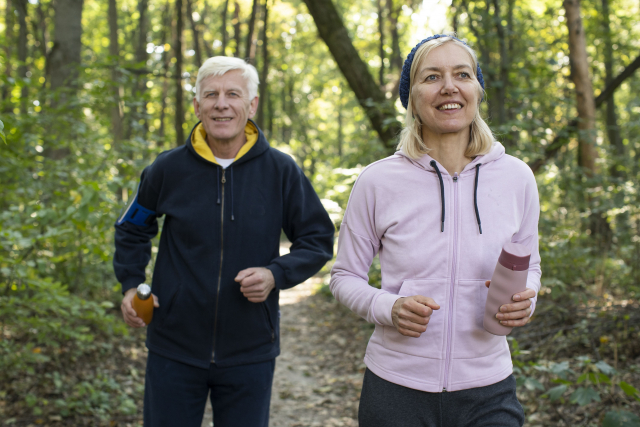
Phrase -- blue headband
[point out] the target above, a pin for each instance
(405, 77)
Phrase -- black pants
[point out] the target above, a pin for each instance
(385, 404)
(175, 394)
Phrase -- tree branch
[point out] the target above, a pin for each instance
(562, 138)
(378, 108)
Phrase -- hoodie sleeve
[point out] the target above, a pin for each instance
(528, 234)
(309, 229)
(358, 244)
(133, 237)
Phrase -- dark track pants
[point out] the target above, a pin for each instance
(385, 404)
(175, 394)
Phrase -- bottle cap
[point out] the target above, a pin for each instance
(515, 256)
(144, 291)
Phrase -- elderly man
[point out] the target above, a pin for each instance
(225, 195)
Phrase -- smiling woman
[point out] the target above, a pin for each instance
(420, 210)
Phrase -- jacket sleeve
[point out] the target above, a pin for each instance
(133, 237)
(528, 235)
(307, 225)
(358, 244)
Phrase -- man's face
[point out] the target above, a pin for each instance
(225, 107)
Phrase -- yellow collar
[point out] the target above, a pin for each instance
(199, 142)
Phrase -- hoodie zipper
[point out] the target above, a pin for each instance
(215, 321)
(447, 361)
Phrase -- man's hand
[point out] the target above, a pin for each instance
(256, 283)
(517, 313)
(129, 314)
(411, 315)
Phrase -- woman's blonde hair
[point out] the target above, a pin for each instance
(411, 143)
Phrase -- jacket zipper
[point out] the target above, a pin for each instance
(453, 280)
(215, 321)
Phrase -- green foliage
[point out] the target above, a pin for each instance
(4, 138)
(620, 419)
(577, 382)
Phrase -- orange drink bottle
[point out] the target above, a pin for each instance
(143, 303)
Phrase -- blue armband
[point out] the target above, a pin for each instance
(136, 214)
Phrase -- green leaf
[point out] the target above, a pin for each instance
(2, 132)
(584, 396)
(620, 419)
(604, 378)
(532, 384)
(630, 390)
(556, 393)
(605, 368)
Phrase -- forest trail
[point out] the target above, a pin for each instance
(319, 371)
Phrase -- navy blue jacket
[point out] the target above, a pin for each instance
(216, 223)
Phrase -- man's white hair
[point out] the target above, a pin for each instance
(219, 65)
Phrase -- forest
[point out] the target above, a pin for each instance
(91, 92)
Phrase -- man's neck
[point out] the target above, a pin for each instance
(226, 149)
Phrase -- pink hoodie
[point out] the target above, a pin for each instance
(395, 209)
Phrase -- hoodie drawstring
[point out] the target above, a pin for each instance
(475, 197)
(475, 194)
(435, 166)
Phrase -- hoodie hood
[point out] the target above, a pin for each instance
(497, 151)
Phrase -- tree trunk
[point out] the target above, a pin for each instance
(237, 27)
(455, 17)
(6, 89)
(225, 35)
(141, 58)
(194, 32)
(250, 46)
(585, 103)
(340, 136)
(177, 75)
(586, 106)
(208, 50)
(613, 131)
(264, 72)
(501, 100)
(381, 46)
(67, 45)
(165, 35)
(21, 6)
(39, 29)
(114, 52)
(379, 110)
(396, 56)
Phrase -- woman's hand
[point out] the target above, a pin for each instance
(411, 315)
(517, 313)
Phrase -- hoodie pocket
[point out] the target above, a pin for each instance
(269, 322)
(166, 310)
(430, 343)
(471, 340)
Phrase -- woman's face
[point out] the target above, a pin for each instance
(445, 92)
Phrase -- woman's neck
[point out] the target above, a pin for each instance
(448, 150)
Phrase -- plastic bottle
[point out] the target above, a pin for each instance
(509, 278)
(143, 303)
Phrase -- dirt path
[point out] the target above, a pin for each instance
(319, 373)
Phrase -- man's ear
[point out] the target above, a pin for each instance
(253, 108)
(196, 107)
